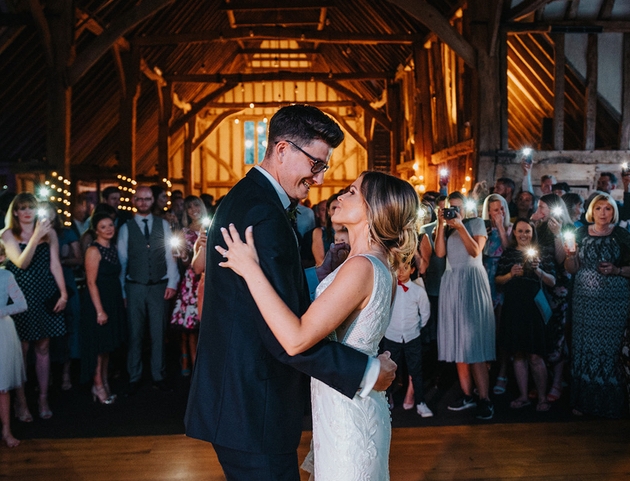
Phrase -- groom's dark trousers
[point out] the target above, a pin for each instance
(247, 394)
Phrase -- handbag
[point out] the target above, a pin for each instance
(543, 304)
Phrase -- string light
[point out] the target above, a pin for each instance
(59, 194)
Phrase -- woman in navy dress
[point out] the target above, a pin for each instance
(33, 251)
(103, 323)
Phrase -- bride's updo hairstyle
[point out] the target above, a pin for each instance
(392, 213)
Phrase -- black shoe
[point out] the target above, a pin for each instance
(485, 409)
(132, 389)
(162, 386)
(464, 402)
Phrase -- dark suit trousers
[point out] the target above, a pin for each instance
(412, 351)
(242, 466)
(142, 300)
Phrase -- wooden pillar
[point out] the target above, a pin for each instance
(590, 117)
(424, 128)
(486, 98)
(394, 111)
(188, 166)
(166, 108)
(624, 134)
(60, 23)
(368, 130)
(203, 172)
(128, 104)
(501, 53)
(558, 92)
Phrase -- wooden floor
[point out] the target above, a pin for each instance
(589, 450)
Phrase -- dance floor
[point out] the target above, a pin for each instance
(585, 450)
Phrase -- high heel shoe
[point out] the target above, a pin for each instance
(109, 392)
(44, 410)
(101, 394)
(22, 414)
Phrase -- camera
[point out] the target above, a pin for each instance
(450, 212)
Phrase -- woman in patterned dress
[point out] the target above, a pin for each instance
(186, 313)
(601, 303)
(64, 349)
(33, 251)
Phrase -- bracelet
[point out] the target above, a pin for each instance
(100, 314)
(64, 299)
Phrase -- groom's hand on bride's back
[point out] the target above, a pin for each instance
(387, 374)
(336, 255)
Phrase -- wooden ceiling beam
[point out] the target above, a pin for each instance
(249, 5)
(110, 36)
(291, 23)
(370, 111)
(431, 18)
(276, 104)
(525, 8)
(199, 106)
(44, 32)
(284, 76)
(277, 33)
(568, 26)
(278, 51)
(86, 22)
(606, 10)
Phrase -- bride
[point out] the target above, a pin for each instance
(351, 437)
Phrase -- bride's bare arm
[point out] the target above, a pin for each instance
(349, 292)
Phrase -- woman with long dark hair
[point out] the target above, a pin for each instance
(553, 221)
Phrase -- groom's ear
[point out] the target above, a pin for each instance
(281, 148)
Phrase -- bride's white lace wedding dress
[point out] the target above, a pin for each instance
(351, 437)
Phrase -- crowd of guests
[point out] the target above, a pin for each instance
(85, 292)
(536, 288)
(487, 270)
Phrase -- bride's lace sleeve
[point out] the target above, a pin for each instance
(16, 295)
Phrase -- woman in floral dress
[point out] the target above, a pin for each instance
(186, 314)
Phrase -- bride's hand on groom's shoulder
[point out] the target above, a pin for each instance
(239, 256)
(387, 373)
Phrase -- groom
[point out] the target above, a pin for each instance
(247, 395)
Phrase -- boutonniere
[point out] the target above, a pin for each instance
(292, 213)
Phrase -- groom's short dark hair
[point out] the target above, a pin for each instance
(302, 124)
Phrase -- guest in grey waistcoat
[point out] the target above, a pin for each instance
(149, 278)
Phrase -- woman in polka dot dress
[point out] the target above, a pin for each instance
(32, 248)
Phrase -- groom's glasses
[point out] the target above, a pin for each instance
(317, 165)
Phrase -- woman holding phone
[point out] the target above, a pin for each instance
(601, 304)
(186, 313)
(32, 248)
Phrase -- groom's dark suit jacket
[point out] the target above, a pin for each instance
(246, 393)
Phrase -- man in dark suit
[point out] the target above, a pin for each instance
(247, 395)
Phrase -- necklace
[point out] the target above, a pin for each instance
(606, 231)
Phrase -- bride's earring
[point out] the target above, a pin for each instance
(369, 236)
